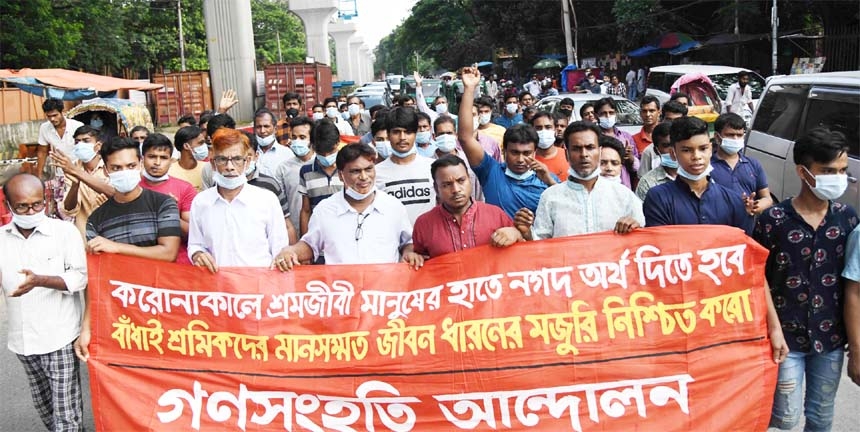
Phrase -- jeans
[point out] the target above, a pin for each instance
(822, 372)
(631, 92)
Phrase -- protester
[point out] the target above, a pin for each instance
(590, 85)
(157, 150)
(606, 111)
(519, 181)
(58, 134)
(269, 183)
(733, 169)
(458, 222)
(186, 120)
(511, 116)
(405, 175)
(649, 112)
(138, 134)
(379, 131)
(586, 202)
(632, 90)
(610, 158)
(692, 198)
(358, 121)
(190, 141)
(271, 154)
(851, 274)
(547, 152)
(526, 99)
(361, 225)
(234, 224)
(319, 179)
(673, 110)
(293, 107)
(446, 143)
(586, 112)
(43, 267)
(424, 137)
(806, 236)
(287, 174)
(616, 87)
(667, 169)
(332, 113)
(560, 121)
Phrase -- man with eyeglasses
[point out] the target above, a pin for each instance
(43, 267)
(234, 224)
(360, 225)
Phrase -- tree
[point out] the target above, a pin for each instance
(273, 21)
(34, 35)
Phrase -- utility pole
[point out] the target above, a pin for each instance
(181, 38)
(737, 33)
(774, 22)
(280, 56)
(575, 35)
(417, 66)
(565, 17)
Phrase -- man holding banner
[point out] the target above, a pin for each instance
(358, 225)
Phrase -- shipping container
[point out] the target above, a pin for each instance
(17, 106)
(312, 81)
(183, 93)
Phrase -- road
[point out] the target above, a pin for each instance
(18, 415)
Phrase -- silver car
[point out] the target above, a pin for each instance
(627, 114)
(790, 106)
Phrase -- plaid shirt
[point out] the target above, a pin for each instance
(282, 131)
(619, 90)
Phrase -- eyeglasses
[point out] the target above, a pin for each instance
(24, 208)
(221, 161)
(360, 220)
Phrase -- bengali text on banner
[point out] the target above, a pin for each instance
(662, 329)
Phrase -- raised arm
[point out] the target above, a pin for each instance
(473, 149)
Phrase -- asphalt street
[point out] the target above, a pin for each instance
(18, 415)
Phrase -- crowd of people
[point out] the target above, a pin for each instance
(416, 183)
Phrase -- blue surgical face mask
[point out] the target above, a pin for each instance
(692, 177)
(353, 109)
(344, 115)
(229, 183)
(84, 151)
(327, 161)
(428, 150)
(318, 116)
(331, 112)
(423, 137)
(607, 122)
(446, 143)
(252, 166)
(383, 149)
(407, 153)
(200, 152)
(667, 162)
(300, 147)
(731, 145)
(125, 181)
(519, 177)
(97, 123)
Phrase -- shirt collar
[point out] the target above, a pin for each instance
(241, 197)
(344, 207)
(46, 228)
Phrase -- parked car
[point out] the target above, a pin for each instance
(790, 106)
(371, 98)
(394, 83)
(627, 114)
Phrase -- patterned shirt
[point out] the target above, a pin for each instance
(619, 90)
(140, 222)
(437, 232)
(803, 272)
(282, 131)
(316, 184)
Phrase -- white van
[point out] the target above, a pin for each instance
(790, 106)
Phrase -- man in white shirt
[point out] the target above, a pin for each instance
(740, 94)
(43, 267)
(360, 225)
(333, 114)
(585, 203)
(405, 175)
(287, 174)
(56, 133)
(234, 224)
(271, 153)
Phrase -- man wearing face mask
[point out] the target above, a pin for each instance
(565, 107)
(293, 107)
(446, 143)
(190, 141)
(269, 183)
(156, 165)
(807, 237)
(81, 199)
(589, 85)
(379, 133)
(319, 179)
(733, 169)
(287, 174)
(693, 198)
(358, 121)
(485, 119)
(586, 202)
(667, 169)
(333, 114)
(511, 116)
(234, 224)
(318, 112)
(547, 153)
(606, 112)
(424, 137)
(360, 225)
(43, 273)
(521, 179)
(272, 154)
(405, 175)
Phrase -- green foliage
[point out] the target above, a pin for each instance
(34, 35)
(272, 19)
(638, 22)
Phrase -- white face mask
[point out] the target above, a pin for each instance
(731, 145)
(691, 177)
(331, 112)
(828, 186)
(353, 109)
(606, 122)
(546, 138)
(442, 108)
(511, 108)
(124, 181)
(446, 143)
(572, 174)
(484, 118)
(318, 115)
(229, 183)
(267, 141)
(29, 221)
(356, 195)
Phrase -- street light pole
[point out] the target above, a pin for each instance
(568, 44)
(774, 22)
(181, 38)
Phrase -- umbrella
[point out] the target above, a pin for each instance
(643, 51)
(684, 47)
(672, 40)
(484, 63)
(548, 64)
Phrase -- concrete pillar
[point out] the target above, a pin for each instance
(342, 32)
(316, 16)
(355, 56)
(368, 63)
(230, 48)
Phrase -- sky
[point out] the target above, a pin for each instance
(377, 18)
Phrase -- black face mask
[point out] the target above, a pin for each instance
(292, 112)
(566, 112)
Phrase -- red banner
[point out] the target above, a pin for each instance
(663, 329)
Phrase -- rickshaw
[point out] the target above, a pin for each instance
(704, 101)
(119, 116)
(429, 86)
